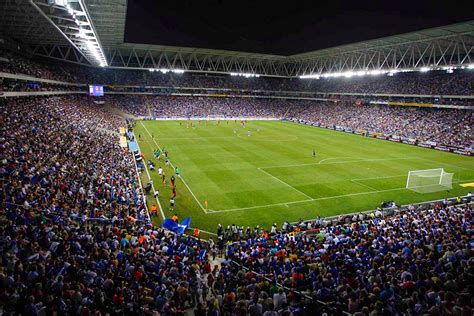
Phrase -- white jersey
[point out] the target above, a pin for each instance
(160, 171)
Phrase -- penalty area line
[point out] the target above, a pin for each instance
(281, 181)
(364, 185)
(304, 201)
(318, 199)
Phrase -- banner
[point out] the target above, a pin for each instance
(123, 142)
(173, 226)
(421, 105)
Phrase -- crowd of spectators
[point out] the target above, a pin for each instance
(137, 105)
(219, 107)
(17, 64)
(431, 83)
(434, 83)
(25, 86)
(62, 155)
(442, 126)
(417, 262)
(61, 166)
(448, 127)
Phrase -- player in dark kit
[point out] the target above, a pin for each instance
(314, 153)
(172, 181)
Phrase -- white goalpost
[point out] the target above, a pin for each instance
(430, 180)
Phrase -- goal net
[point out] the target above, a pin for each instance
(431, 180)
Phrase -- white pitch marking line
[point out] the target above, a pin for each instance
(297, 165)
(184, 182)
(375, 178)
(364, 185)
(284, 183)
(321, 161)
(259, 206)
(310, 200)
(318, 199)
(152, 184)
(268, 138)
(338, 162)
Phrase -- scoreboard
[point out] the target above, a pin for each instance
(96, 91)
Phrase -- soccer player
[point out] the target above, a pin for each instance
(172, 207)
(248, 133)
(163, 179)
(160, 171)
(177, 171)
(174, 192)
(172, 179)
(314, 153)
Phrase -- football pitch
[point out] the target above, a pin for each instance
(265, 173)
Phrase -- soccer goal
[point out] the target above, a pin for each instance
(431, 180)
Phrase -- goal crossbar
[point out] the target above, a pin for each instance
(429, 180)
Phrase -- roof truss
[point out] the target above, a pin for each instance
(446, 46)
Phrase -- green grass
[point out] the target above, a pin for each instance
(271, 175)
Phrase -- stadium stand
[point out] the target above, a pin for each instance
(62, 166)
(434, 83)
(63, 172)
(412, 262)
(444, 126)
(69, 158)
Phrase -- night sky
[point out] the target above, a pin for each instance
(263, 26)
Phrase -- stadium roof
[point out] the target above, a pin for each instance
(43, 28)
(438, 33)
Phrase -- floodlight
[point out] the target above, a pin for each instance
(348, 74)
(85, 40)
(376, 72)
